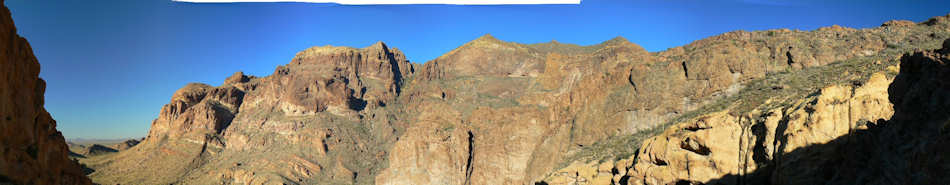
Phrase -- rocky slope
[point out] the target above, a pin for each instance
(323, 118)
(125, 144)
(538, 107)
(33, 151)
(80, 148)
(879, 130)
(715, 145)
(97, 149)
(496, 112)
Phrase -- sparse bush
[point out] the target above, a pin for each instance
(893, 46)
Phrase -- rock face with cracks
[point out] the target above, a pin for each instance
(323, 118)
(496, 112)
(32, 151)
(883, 130)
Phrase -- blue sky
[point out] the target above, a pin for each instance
(111, 65)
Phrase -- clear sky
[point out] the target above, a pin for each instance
(111, 65)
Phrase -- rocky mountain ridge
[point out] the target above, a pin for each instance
(488, 112)
(890, 128)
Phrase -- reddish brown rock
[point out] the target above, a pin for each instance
(485, 56)
(197, 110)
(884, 130)
(34, 152)
(584, 94)
(237, 77)
(338, 79)
(325, 114)
(488, 112)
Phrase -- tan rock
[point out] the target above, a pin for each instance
(855, 133)
(898, 23)
(495, 112)
(435, 151)
(327, 105)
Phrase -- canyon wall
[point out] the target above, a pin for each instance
(496, 112)
(33, 151)
(882, 130)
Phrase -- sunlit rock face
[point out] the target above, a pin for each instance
(496, 112)
(326, 117)
(890, 128)
(563, 98)
(32, 151)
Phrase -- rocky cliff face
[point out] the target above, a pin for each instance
(523, 109)
(326, 117)
(883, 130)
(724, 142)
(33, 151)
(718, 144)
(496, 112)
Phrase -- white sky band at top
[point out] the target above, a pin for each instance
(393, 2)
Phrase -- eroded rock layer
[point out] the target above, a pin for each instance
(323, 118)
(32, 151)
(884, 130)
(496, 112)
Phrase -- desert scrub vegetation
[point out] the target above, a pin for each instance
(777, 89)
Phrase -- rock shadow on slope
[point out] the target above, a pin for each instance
(912, 147)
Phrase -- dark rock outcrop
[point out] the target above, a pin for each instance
(97, 149)
(32, 151)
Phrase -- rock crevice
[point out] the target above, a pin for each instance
(32, 151)
(886, 130)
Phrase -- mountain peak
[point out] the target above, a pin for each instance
(483, 42)
(487, 37)
(378, 44)
(323, 50)
(617, 40)
(620, 42)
